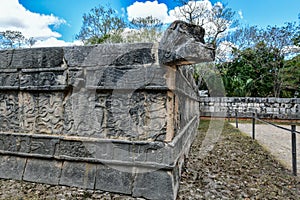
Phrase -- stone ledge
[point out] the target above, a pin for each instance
(96, 150)
(150, 180)
(139, 182)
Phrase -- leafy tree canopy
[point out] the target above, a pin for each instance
(101, 24)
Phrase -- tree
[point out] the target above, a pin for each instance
(252, 72)
(11, 39)
(291, 78)
(101, 24)
(148, 29)
(296, 38)
(31, 41)
(268, 48)
(215, 19)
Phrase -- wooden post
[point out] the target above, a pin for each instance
(253, 126)
(294, 153)
(236, 119)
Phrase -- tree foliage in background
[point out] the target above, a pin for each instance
(252, 72)
(104, 25)
(11, 39)
(291, 78)
(15, 39)
(101, 24)
(215, 20)
(258, 65)
(148, 29)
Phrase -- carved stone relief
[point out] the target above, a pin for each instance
(50, 113)
(9, 112)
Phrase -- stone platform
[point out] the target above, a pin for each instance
(112, 117)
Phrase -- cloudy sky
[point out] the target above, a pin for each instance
(56, 22)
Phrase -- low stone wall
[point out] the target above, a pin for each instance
(274, 108)
(112, 117)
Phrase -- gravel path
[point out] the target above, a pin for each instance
(276, 140)
(236, 168)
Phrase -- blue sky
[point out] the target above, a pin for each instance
(60, 20)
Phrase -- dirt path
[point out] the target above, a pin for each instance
(277, 141)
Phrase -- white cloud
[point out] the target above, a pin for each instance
(241, 14)
(149, 8)
(54, 42)
(13, 16)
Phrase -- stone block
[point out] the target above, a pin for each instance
(9, 79)
(37, 58)
(182, 44)
(126, 77)
(72, 148)
(43, 146)
(43, 171)
(6, 57)
(114, 179)
(50, 79)
(109, 54)
(15, 143)
(78, 174)
(158, 184)
(12, 167)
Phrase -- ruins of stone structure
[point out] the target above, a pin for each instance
(111, 117)
(268, 107)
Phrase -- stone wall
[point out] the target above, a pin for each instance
(273, 108)
(113, 117)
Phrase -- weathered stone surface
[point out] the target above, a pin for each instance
(140, 153)
(54, 79)
(32, 58)
(126, 77)
(155, 185)
(95, 116)
(73, 149)
(276, 108)
(182, 44)
(44, 146)
(9, 79)
(11, 167)
(43, 171)
(107, 110)
(15, 143)
(41, 112)
(5, 59)
(113, 180)
(80, 175)
(109, 54)
(9, 111)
